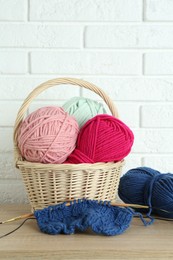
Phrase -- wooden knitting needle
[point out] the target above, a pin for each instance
(119, 204)
(68, 204)
(130, 205)
(18, 218)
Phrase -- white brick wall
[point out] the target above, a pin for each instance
(13, 10)
(39, 35)
(123, 46)
(129, 36)
(77, 62)
(13, 62)
(159, 10)
(87, 11)
(158, 63)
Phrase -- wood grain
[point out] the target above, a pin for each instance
(138, 242)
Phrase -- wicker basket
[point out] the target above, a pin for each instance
(48, 184)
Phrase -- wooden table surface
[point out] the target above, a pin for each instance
(138, 242)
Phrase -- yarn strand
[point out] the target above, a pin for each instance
(14, 230)
(55, 139)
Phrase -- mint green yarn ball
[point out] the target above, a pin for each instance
(83, 109)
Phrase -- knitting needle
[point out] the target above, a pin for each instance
(129, 205)
(120, 205)
(18, 218)
(68, 204)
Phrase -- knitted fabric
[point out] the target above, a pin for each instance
(100, 217)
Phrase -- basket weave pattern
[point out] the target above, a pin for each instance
(48, 184)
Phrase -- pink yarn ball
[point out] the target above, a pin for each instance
(103, 138)
(48, 135)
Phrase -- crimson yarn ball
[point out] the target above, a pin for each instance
(103, 138)
(48, 135)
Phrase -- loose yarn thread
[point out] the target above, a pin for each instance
(83, 109)
(147, 186)
(103, 138)
(48, 135)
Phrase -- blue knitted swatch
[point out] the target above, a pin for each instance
(101, 217)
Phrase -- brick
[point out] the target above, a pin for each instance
(158, 63)
(74, 10)
(13, 10)
(159, 10)
(108, 63)
(128, 113)
(157, 115)
(39, 36)
(160, 163)
(129, 36)
(13, 62)
(131, 161)
(9, 111)
(153, 141)
(6, 139)
(18, 88)
(12, 192)
(132, 89)
(7, 166)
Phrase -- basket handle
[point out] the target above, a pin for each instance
(46, 85)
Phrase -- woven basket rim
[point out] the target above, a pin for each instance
(63, 167)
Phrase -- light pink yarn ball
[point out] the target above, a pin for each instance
(48, 135)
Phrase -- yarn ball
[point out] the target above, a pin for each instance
(83, 109)
(48, 135)
(103, 138)
(146, 186)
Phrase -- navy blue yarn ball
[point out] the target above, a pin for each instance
(147, 186)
